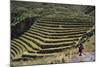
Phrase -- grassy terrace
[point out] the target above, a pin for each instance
(57, 25)
(52, 37)
(39, 43)
(34, 55)
(62, 22)
(49, 29)
(16, 50)
(17, 45)
(31, 38)
(55, 39)
(64, 26)
(43, 38)
(25, 45)
(61, 18)
(54, 32)
(58, 28)
(35, 39)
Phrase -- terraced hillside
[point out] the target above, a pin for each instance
(50, 35)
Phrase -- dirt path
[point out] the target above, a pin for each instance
(87, 57)
(89, 52)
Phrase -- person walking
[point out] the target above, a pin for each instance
(81, 47)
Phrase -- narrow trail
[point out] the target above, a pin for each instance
(87, 57)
